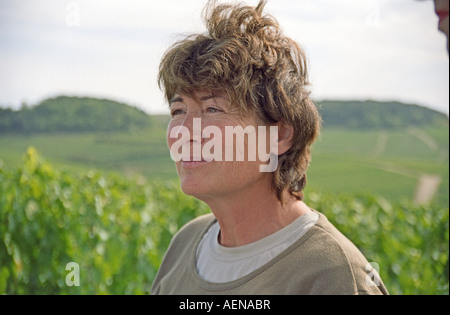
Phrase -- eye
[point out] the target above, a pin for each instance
(177, 112)
(213, 110)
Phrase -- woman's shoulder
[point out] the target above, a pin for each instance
(327, 235)
(184, 241)
(337, 260)
(195, 227)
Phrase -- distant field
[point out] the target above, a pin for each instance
(133, 153)
(386, 163)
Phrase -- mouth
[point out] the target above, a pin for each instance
(194, 164)
(442, 14)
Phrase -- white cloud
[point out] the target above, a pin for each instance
(357, 48)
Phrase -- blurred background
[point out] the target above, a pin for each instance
(85, 173)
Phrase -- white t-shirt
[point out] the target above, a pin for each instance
(219, 264)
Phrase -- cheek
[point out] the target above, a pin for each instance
(170, 140)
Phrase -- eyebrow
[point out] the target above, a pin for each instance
(202, 98)
(175, 99)
(207, 97)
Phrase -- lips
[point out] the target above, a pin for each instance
(194, 162)
(443, 14)
(197, 160)
(188, 165)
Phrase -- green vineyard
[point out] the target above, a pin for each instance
(117, 230)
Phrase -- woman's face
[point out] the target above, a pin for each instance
(441, 7)
(203, 176)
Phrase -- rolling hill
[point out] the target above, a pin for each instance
(82, 114)
(378, 115)
(73, 114)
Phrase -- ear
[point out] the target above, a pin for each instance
(285, 137)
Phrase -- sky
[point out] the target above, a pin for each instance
(357, 49)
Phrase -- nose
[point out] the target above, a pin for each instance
(193, 123)
(185, 136)
(188, 130)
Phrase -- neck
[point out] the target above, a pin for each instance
(247, 217)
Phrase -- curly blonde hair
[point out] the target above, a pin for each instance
(246, 54)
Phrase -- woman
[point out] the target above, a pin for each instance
(261, 238)
(441, 8)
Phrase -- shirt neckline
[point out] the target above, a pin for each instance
(210, 286)
(258, 247)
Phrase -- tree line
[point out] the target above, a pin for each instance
(377, 115)
(82, 114)
(73, 114)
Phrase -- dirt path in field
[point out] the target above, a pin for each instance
(428, 184)
(427, 188)
(425, 138)
(380, 146)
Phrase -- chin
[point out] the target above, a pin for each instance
(191, 188)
